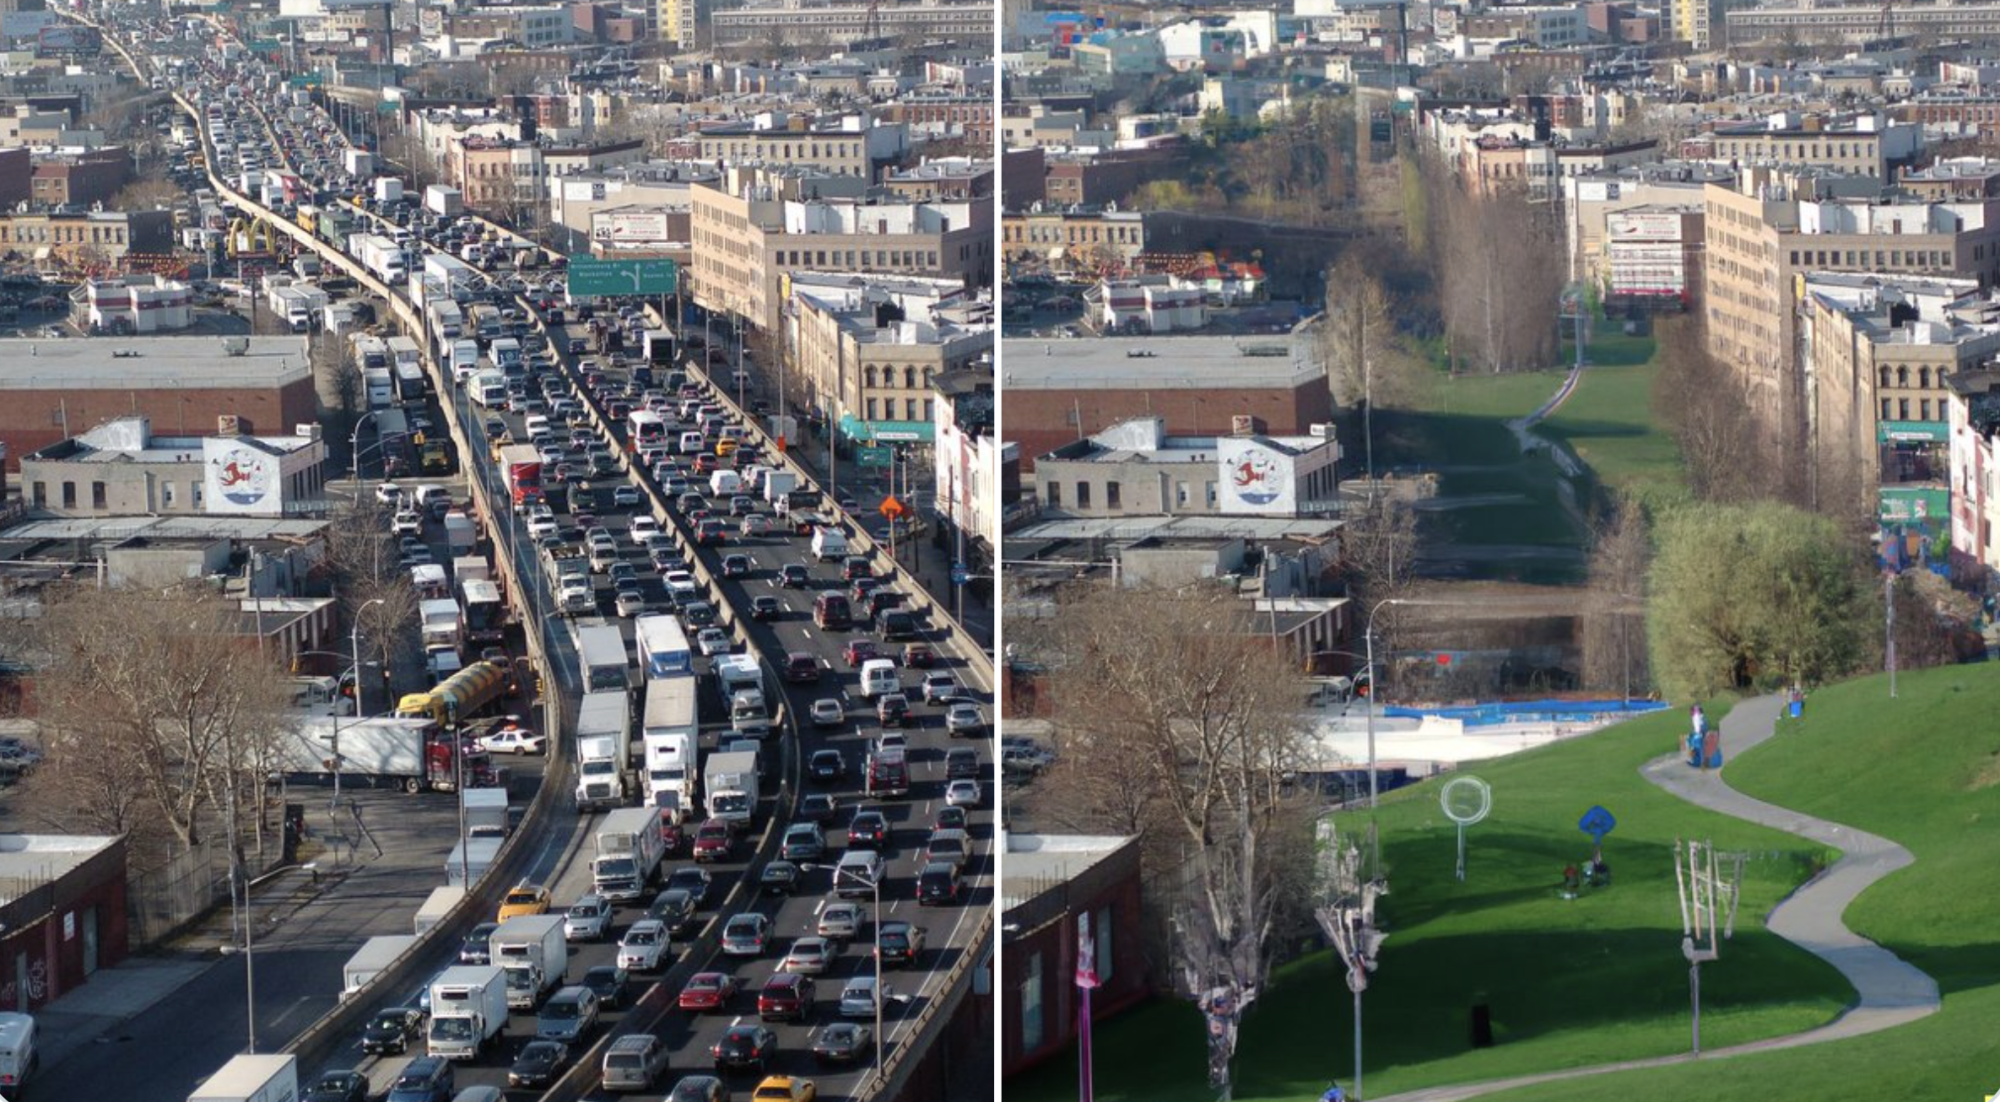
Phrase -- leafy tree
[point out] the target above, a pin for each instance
(1752, 597)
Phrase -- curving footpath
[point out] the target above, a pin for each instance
(1889, 991)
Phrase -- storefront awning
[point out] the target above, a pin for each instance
(1912, 432)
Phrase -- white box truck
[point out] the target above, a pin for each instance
(368, 962)
(445, 201)
(459, 534)
(670, 732)
(468, 1011)
(730, 782)
(603, 723)
(252, 1079)
(486, 812)
(438, 904)
(359, 163)
(388, 189)
(738, 672)
(778, 486)
(472, 858)
(628, 853)
(531, 949)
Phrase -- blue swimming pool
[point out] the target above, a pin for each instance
(1533, 711)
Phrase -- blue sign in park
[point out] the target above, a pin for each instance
(1597, 823)
(958, 573)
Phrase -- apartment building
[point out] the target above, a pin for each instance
(1769, 226)
(748, 237)
(1857, 22)
(846, 145)
(495, 173)
(871, 350)
(80, 177)
(109, 236)
(1073, 236)
(1878, 355)
(1866, 145)
(804, 21)
(1974, 477)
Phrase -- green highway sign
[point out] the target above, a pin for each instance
(590, 276)
(872, 457)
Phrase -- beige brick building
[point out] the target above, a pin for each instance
(869, 349)
(746, 238)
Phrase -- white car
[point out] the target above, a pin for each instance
(962, 793)
(514, 740)
(408, 523)
(539, 526)
(629, 604)
(828, 712)
(643, 528)
(809, 956)
(588, 919)
(388, 493)
(713, 641)
(840, 921)
(625, 497)
(644, 948)
(680, 581)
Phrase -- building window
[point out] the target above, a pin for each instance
(1902, 376)
(1902, 409)
(1032, 1026)
(41, 495)
(69, 495)
(1181, 493)
(1082, 494)
(1885, 378)
(1112, 497)
(194, 494)
(1924, 409)
(97, 492)
(1211, 493)
(1054, 495)
(166, 496)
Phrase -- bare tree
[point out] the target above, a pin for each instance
(338, 379)
(1705, 403)
(146, 194)
(1614, 621)
(1184, 682)
(166, 680)
(1491, 255)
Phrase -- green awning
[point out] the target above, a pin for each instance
(1912, 432)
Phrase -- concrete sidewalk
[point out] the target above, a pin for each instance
(1889, 991)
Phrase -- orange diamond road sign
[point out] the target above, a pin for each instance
(892, 508)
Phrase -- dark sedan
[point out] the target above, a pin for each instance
(745, 1046)
(392, 1030)
(339, 1086)
(611, 984)
(538, 1064)
(827, 766)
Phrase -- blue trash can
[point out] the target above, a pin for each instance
(1798, 708)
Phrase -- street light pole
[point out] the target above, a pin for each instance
(354, 444)
(354, 649)
(875, 889)
(1373, 688)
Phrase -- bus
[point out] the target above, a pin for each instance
(663, 648)
(409, 366)
(645, 429)
(370, 353)
(600, 651)
(485, 615)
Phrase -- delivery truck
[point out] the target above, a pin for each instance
(729, 784)
(388, 189)
(470, 859)
(468, 1011)
(521, 468)
(531, 949)
(486, 812)
(669, 731)
(439, 903)
(628, 854)
(444, 201)
(375, 955)
(460, 536)
(252, 1079)
(603, 724)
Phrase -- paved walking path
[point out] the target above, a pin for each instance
(1889, 991)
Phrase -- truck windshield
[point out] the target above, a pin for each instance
(520, 979)
(617, 867)
(731, 803)
(451, 1029)
(598, 768)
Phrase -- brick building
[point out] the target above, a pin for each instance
(181, 384)
(64, 915)
(17, 172)
(1050, 882)
(1109, 177)
(1061, 391)
(81, 178)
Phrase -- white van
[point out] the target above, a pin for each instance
(489, 389)
(19, 1056)
(536, 423)
(691, 443)
(829, 543)
(724, 483)
(878, 677)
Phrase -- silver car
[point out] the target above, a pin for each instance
(842, 921)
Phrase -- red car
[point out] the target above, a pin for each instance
(786, 997)
(801, 667)
(708, 991)
(918, 656)
(711, 840)
(858, 651)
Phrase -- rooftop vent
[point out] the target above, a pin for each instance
(232, 346)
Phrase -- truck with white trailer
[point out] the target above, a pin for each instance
(437, 905)
(628, 853)
(532, 951)
(603, 734)
(375, 954)
(486, 812)
(670, 730)
(381, 256)
(252, 1079)
(376, 752)
(470, 859)
(468, 1011)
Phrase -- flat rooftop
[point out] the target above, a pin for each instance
(1193, 528)
(1159, 363)
(1037, 862)
(150, 363)
(38, 858)
(205, 527)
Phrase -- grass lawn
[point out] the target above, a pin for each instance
(1923, 770)
(1569, 982)
(1609, 423)
(1500, 397)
